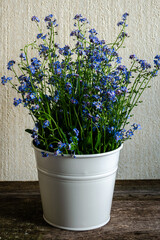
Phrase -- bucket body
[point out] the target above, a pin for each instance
(77, 192)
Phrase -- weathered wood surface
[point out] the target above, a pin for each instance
(135, 214)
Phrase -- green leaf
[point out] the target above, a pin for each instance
(89, 138)
(98, 142)
(29, 131)
(41, 118)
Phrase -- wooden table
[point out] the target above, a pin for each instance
(135, 213)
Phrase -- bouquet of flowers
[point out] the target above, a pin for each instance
(79, 98)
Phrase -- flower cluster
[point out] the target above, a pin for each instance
(80, 98)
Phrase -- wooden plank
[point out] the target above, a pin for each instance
(19, 187)
(135, 214)
(121, 185)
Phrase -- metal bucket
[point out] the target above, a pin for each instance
(77, 192)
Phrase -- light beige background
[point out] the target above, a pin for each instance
(140, 157)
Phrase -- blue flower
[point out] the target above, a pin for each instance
(129, 133)
(118, 92)
(97, 88)
(44, 37)
(98, 105)
(48, 18)
(94, 39)
(69, 146)
(122, 68)
(46, 123)
(36, 107)
(136, 126)
(157, 57)
(61, 145)
(93, 31)
(76, 131)
(34, 18)
(44, 154)
(17, 102)
(85, 111)
(144, 64)
(119, 135)
(5, 80)
(85, 95)
(154, 73)
(78, 34)
(52, 23)
(35, 133)
(43, 50)
(127, 76)
(57, 68)
(22, 87)
(68, 87)
(32, 96)
(133, 56)
(81, 52)
(65, 51)
(51, 145)
(89, 116)
(32, 69)
(156, 61)
(56, 97)
(79, 44)
(57, 152)
(36, 141)
(111, 95)
(73, 140)
(120, 23)
(74, 101)
(118, 60)
(111, 130)
(96, 96)
(33, 108)
(39, 35)
(83, 20)
(35, 63)
(10, 64)
(23, 56)
(124, 89)
(124, 16)
(58, 71)
(77, 16)
(96, 118)
(56, 45)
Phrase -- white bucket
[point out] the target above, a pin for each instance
(77, 192)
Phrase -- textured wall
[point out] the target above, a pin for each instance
(140, 157)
